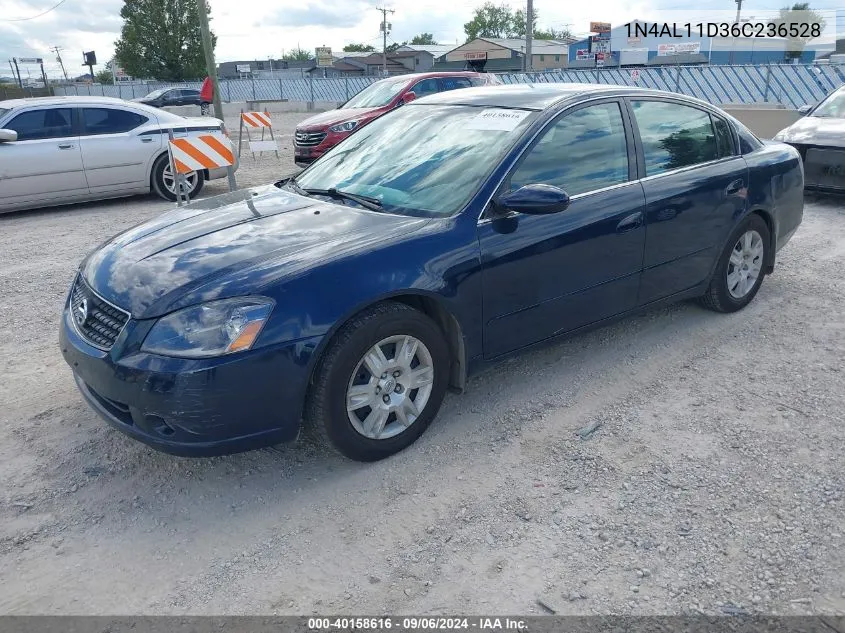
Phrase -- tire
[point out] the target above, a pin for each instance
(723, 294)
(343, 367)
(157, 178)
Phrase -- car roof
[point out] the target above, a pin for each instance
(429, 75)
(537, 96)
(68, 100)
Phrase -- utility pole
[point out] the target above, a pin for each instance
(211, 68)
(17, 68)
(385, 27)
(57, 50)
(529, 34)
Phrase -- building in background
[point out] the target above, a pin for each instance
(492, 54)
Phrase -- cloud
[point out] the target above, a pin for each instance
(325, 15)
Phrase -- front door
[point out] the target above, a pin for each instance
(45, 164)
(548, 274)
(115, 156)
(695, 186)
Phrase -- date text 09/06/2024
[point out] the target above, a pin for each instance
(424, 623)
(725, 29)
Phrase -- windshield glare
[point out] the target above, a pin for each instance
(378, 94)
(833, 107)
(420, 159)
(156, 93)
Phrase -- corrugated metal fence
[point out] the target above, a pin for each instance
(789, 85)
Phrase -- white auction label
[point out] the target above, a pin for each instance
(497, 119)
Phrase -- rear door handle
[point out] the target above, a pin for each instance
(630, 223)
(734, 187)
(67, 146)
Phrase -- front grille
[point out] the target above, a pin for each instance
(96, 319)
(308, 139)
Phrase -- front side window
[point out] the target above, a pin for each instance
(425, 87)
(109, 121)
(453, 83)
(674, 135)
(41, 124)
(582, 151)
(420, 160)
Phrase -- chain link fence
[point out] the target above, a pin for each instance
(789, 85)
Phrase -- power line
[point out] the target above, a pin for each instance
(55, 6)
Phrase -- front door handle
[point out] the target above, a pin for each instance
(67, 146)
(735, 187)
(630, 223)
(147, 139)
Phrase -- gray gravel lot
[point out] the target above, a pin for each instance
(714, 481)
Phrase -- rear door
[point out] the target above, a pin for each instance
(116, 153)
(695, 186)
(45, 164)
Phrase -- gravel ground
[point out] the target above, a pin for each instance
(713, 480)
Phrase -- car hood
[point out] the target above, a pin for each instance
(332, 117)
(815, 131)
(230, 245)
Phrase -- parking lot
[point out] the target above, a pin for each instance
(712, 480)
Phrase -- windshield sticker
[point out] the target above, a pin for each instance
(497, 119)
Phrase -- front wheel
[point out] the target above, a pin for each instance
(741, 267)
(164, 184)
(380, 383)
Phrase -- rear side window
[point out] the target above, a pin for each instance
(40, 124)
(451, 83)
(724, 137)
(110, 121)
(674, 135)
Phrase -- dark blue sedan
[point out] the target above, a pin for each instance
(456, 230)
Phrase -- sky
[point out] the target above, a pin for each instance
(266, 29)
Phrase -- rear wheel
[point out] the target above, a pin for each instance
(741, 267)
(164, 184)
(380, 382)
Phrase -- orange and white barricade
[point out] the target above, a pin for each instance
(194, 153)
(257, 121)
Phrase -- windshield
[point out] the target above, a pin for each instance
(420, 160)
(156, 93)
(833, 107)
(378, 94)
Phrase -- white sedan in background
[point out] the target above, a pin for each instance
(61, 150)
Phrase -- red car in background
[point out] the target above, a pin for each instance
(319, 133)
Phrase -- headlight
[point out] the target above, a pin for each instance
(211, 329)
(344, 127)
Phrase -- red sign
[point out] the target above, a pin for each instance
(476, 55)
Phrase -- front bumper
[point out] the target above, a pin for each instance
(192, 408)
(307, 155)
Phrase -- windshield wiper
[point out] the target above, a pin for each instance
(373, 204)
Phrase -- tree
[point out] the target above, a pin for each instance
(104, 77)
(552, 34)
(800, 13)
(297, 55)
(160, 39)
(359, 48)
(423, 39)
(490, 20)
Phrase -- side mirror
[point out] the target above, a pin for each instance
(409, 96)
(8, 136)
(538, 199)
(804, 110)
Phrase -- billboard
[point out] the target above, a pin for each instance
(600, 46)
(243, 68)
(324, 56)
(685, 48)
(599, 27)
(30, 60)
(476, 55)
(583, 53)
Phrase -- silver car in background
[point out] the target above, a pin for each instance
(61, 150)
(820, 138)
